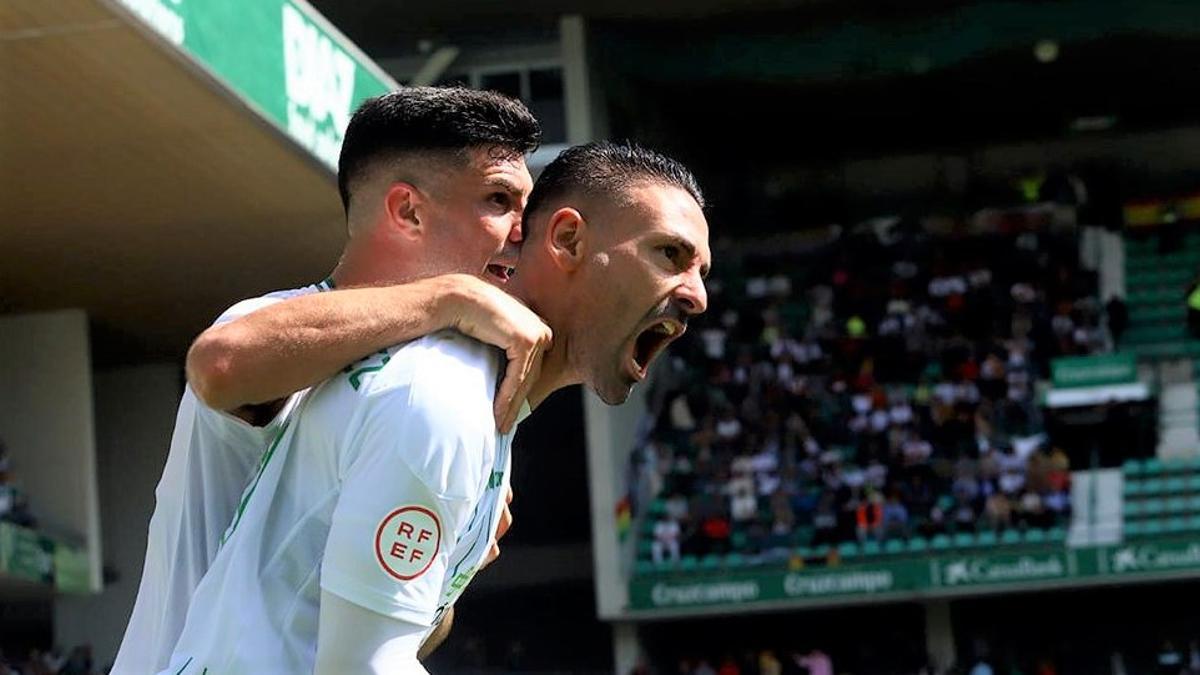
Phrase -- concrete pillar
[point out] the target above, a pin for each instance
(626, 649)
(576, 82)
(939, 635)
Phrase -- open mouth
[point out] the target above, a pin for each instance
(501, 273)
(651, 341)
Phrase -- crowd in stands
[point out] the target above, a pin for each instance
(764, 662)
(78, 661)
(881, 386)
(14, 505)
(1168, 659)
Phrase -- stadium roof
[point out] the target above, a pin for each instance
(147, 181)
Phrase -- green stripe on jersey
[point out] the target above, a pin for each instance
(262, 466)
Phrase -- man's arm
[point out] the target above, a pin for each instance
(355, 640)
(248, 365)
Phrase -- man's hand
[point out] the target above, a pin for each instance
(501, 530)
(490, 315)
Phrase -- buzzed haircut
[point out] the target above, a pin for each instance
(433, 119)
(605, 168)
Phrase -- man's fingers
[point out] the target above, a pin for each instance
(522, 382)
(505, 523)
(508, 495)
(514, 376)
(493, 553)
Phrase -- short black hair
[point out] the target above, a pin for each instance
(433, 119)
(607, 168)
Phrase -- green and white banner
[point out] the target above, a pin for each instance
(30, 556)
(1093, 371)
(983, 570)
(280, 56)
(911, 576)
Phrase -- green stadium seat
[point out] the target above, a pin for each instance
(1035, 536)
(645, 549)
(1154, 528)
(893, 547)
(1194, 523)
(964, 540)
(1131, 467)
(802, 536)
(1010, 537)
(710, 562)
(986, 538)
(735, 560)
(870, 548)
(1154, 508)
(689, 563)
(847, 550)
(939, 542)
(821, 551)
(1057, 535)
(1194, 504)
(1174, 465)
(918, 545)
(803, 552)
(738, 540)
(1133, 488)
(1154, 487)
(657, 507)
(648, 527)
(1135, 529)
(1177, 506)
(1153, 467)
(643, 567)
(1175, 486)
(1176, 525)
(1134, 509)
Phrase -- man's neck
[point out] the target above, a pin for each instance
(554, 375)
(557, 371)
(372, 263)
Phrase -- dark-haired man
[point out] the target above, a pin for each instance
(444, 164)
(373, 509)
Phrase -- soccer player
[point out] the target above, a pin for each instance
(314, 331)
(372, 510)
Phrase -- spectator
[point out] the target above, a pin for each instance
(895, 516)
(868, 517)
(817, 662)
(981, 667)
(1170, 659)
(768, 664)
(666, 541)
(998, 511)
(1193, 308)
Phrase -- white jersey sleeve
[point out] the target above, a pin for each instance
(224, 423)
(408, 492)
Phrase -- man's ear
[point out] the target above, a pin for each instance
(404, 204)
(566, 237)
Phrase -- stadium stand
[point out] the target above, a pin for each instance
(873, 396)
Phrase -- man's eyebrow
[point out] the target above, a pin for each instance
(689, 248)
(503, 183)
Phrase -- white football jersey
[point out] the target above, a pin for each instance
(213, 455)
(384, 487)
